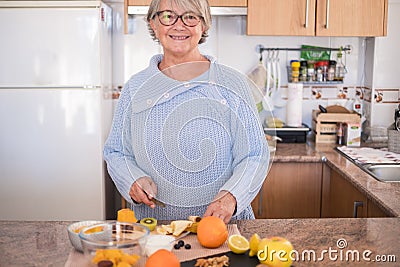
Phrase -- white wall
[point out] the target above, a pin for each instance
(229, 44)
(385, 74)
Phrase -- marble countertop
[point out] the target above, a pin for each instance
(47, 244)
(385, 195)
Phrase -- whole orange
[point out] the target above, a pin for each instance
(212, 232)
(162, 258)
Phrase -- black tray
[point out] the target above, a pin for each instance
(235, 260)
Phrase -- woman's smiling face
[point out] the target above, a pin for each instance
(178, 40)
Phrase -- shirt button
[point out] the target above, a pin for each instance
(223, 101)
(166, 95)
(186, 85)
(148, 101)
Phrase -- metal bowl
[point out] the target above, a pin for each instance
(73, 232)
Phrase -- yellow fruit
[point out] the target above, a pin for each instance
(124, 264)
(126, 215)
(150, 223)
(238, 244)
(275, 252)
(254, 241)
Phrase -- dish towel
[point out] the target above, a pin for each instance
(77, 259)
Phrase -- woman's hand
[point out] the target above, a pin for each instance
(143, 191)
(223, 206)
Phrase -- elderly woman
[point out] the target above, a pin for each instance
(186, 131)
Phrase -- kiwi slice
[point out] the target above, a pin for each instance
(150, 223)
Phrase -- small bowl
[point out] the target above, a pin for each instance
(156, 242)
(73, 232)
(127, 240)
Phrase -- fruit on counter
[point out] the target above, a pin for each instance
(179, 226)
(194, 219)
(89, 231)
(150, 223)
(212, 232)
(180, 244)
(238, 244)
(275, 252)
(274, 123)
(105, 263)
(164, 258)
(126, 215)
(193, 228)
(254, 241)
(116, 256)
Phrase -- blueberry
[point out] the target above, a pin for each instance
(181, 243)
(176, 246)
(188, 246)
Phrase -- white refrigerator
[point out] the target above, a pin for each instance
(55, 109)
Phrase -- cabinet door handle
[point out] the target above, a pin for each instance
(327, 15)
(306, 22)
(355, 208)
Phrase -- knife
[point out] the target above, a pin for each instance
(156, 201)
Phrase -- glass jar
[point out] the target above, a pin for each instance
(331, 70)
(303, 71)
(319, 70)
(310, 72)
(295, 71)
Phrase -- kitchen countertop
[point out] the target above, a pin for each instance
(46, 243)
(384, 195)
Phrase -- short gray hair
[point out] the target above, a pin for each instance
(198, 6)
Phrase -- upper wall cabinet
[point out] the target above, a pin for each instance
(281, 17)
(317, 17)
(241, 3)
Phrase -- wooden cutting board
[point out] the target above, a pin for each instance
(337, 109)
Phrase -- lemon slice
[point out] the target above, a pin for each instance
(254, 241)
(238, 244)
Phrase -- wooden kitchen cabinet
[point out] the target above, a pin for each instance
(351, 18)
(374, 211)
(291, 190)
(231, 3)
(317, 17)
(281, 17)
(341, 199)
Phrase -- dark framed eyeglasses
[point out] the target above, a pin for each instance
(169, 17)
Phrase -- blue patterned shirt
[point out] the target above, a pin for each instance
(193, 138)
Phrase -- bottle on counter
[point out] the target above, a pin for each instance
(295, 71)
(340, 133)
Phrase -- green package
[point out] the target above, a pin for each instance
(315, 53)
